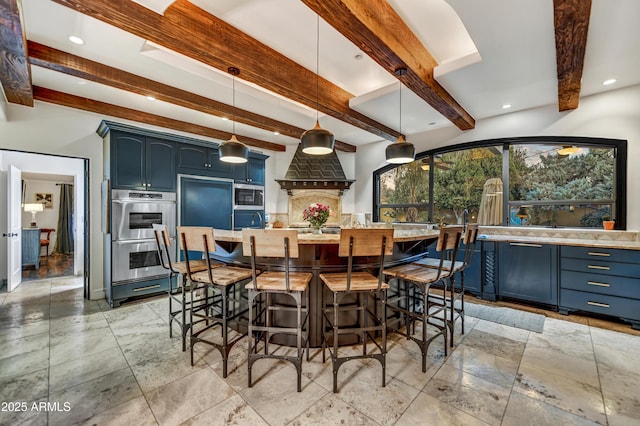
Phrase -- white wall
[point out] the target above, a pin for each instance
(614, 115)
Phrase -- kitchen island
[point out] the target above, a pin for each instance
(319, 254)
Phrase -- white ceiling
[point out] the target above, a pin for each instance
(508, 48)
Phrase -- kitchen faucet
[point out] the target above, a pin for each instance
(253, 216)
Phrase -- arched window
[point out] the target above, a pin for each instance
(529, 181)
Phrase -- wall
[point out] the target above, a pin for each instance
(614, 114)
(48, 218)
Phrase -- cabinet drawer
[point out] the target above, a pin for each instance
(603, 254)
(602, 284)
(125, 291)
(600, 266)
(601, 304)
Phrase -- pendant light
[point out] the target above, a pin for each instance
(317, 141)
(233, 151)
(400, 151)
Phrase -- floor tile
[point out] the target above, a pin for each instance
(522, 409)
(18, 331)
(573, 367)
(29, 387)
(404, 362)
(24, 345)
(503, 347)
(517, 334)
(30, 417)
(232, 411)
(331, 410)
(95, 396)
(275, 398)
(187, 397)
(87, 368)
(426, 409)
(494, 369)
(66, 347)
(133, 412)
(473, 395)
(567, 394)
(21, 364)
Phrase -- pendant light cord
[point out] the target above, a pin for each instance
(233, 97)
(400, 106)
(317, 64)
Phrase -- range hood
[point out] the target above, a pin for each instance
(314, 172)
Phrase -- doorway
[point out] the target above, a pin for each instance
(42, 177)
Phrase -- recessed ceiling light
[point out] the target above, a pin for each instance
(76, 40)
(151, 98)
(276, 133)
(81, 82)
(357, 56)
(506, 106)
(609, 81)
(225, 118)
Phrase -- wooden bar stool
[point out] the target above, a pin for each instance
(222, 303)
(456, 292)
(414, 297)
(362, 284)
(264, 289)
(177, 294)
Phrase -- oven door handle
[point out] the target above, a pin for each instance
(143, 201)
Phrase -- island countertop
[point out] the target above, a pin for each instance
(399, 235)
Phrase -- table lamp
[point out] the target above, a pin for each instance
(33, 209)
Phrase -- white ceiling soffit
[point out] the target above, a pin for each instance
(158, 6)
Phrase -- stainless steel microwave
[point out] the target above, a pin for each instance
(248, 197)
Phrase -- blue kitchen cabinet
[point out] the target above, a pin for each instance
(203, 161)
(252, 171)
(602, 281)
(141, 162)
(528, 272)
(473, 273)
(205, 201)
(248, 219)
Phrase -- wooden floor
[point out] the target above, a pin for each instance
(54, 265)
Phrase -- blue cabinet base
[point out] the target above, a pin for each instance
(134, 290)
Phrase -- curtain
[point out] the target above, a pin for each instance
(64, 239)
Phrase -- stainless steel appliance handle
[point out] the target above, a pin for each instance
(143, 201)
(525, 245)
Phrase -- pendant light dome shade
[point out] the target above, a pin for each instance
(317, 141)
(400, 152)
(233, 151)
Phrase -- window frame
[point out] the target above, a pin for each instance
(620, 177)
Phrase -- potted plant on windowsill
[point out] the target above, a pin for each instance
(607, 223)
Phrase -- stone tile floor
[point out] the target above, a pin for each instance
(100, 366)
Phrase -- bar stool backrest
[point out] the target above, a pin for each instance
(281, 243)
(447, 245)
(470, 236)
(365, 242)
(197, 238)
(163, 242)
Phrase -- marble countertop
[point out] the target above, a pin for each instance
(569, 237)
(309, 238)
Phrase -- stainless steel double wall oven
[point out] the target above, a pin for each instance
(133, 251)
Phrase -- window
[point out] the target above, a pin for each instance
(549, 181)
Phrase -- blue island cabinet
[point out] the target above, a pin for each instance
(601, 281)
(528, 272)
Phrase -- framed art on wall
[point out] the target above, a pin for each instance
(46, 199)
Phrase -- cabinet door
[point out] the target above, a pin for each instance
(161, 165)
(528, 272)
(206, 202)
(248, 219)
(127, 161)
(220, 168)
(193, 158)
(255, 171)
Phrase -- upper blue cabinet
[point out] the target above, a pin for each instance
(252, 171)
(142, 162)
(203, 161)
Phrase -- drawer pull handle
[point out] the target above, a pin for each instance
(525, 245)
(146, 288)
(598, 284)
(601, 305)
(597, 253)
(604, 268)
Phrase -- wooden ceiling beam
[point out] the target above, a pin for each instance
(375, 28)
(191, 31)
(15, 74)
(86, 104)
(571, 21)
(67, 63)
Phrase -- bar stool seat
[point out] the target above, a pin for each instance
(338, 314)
(264, 291)
(414, 299)
(222, 304)
(177, 294)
